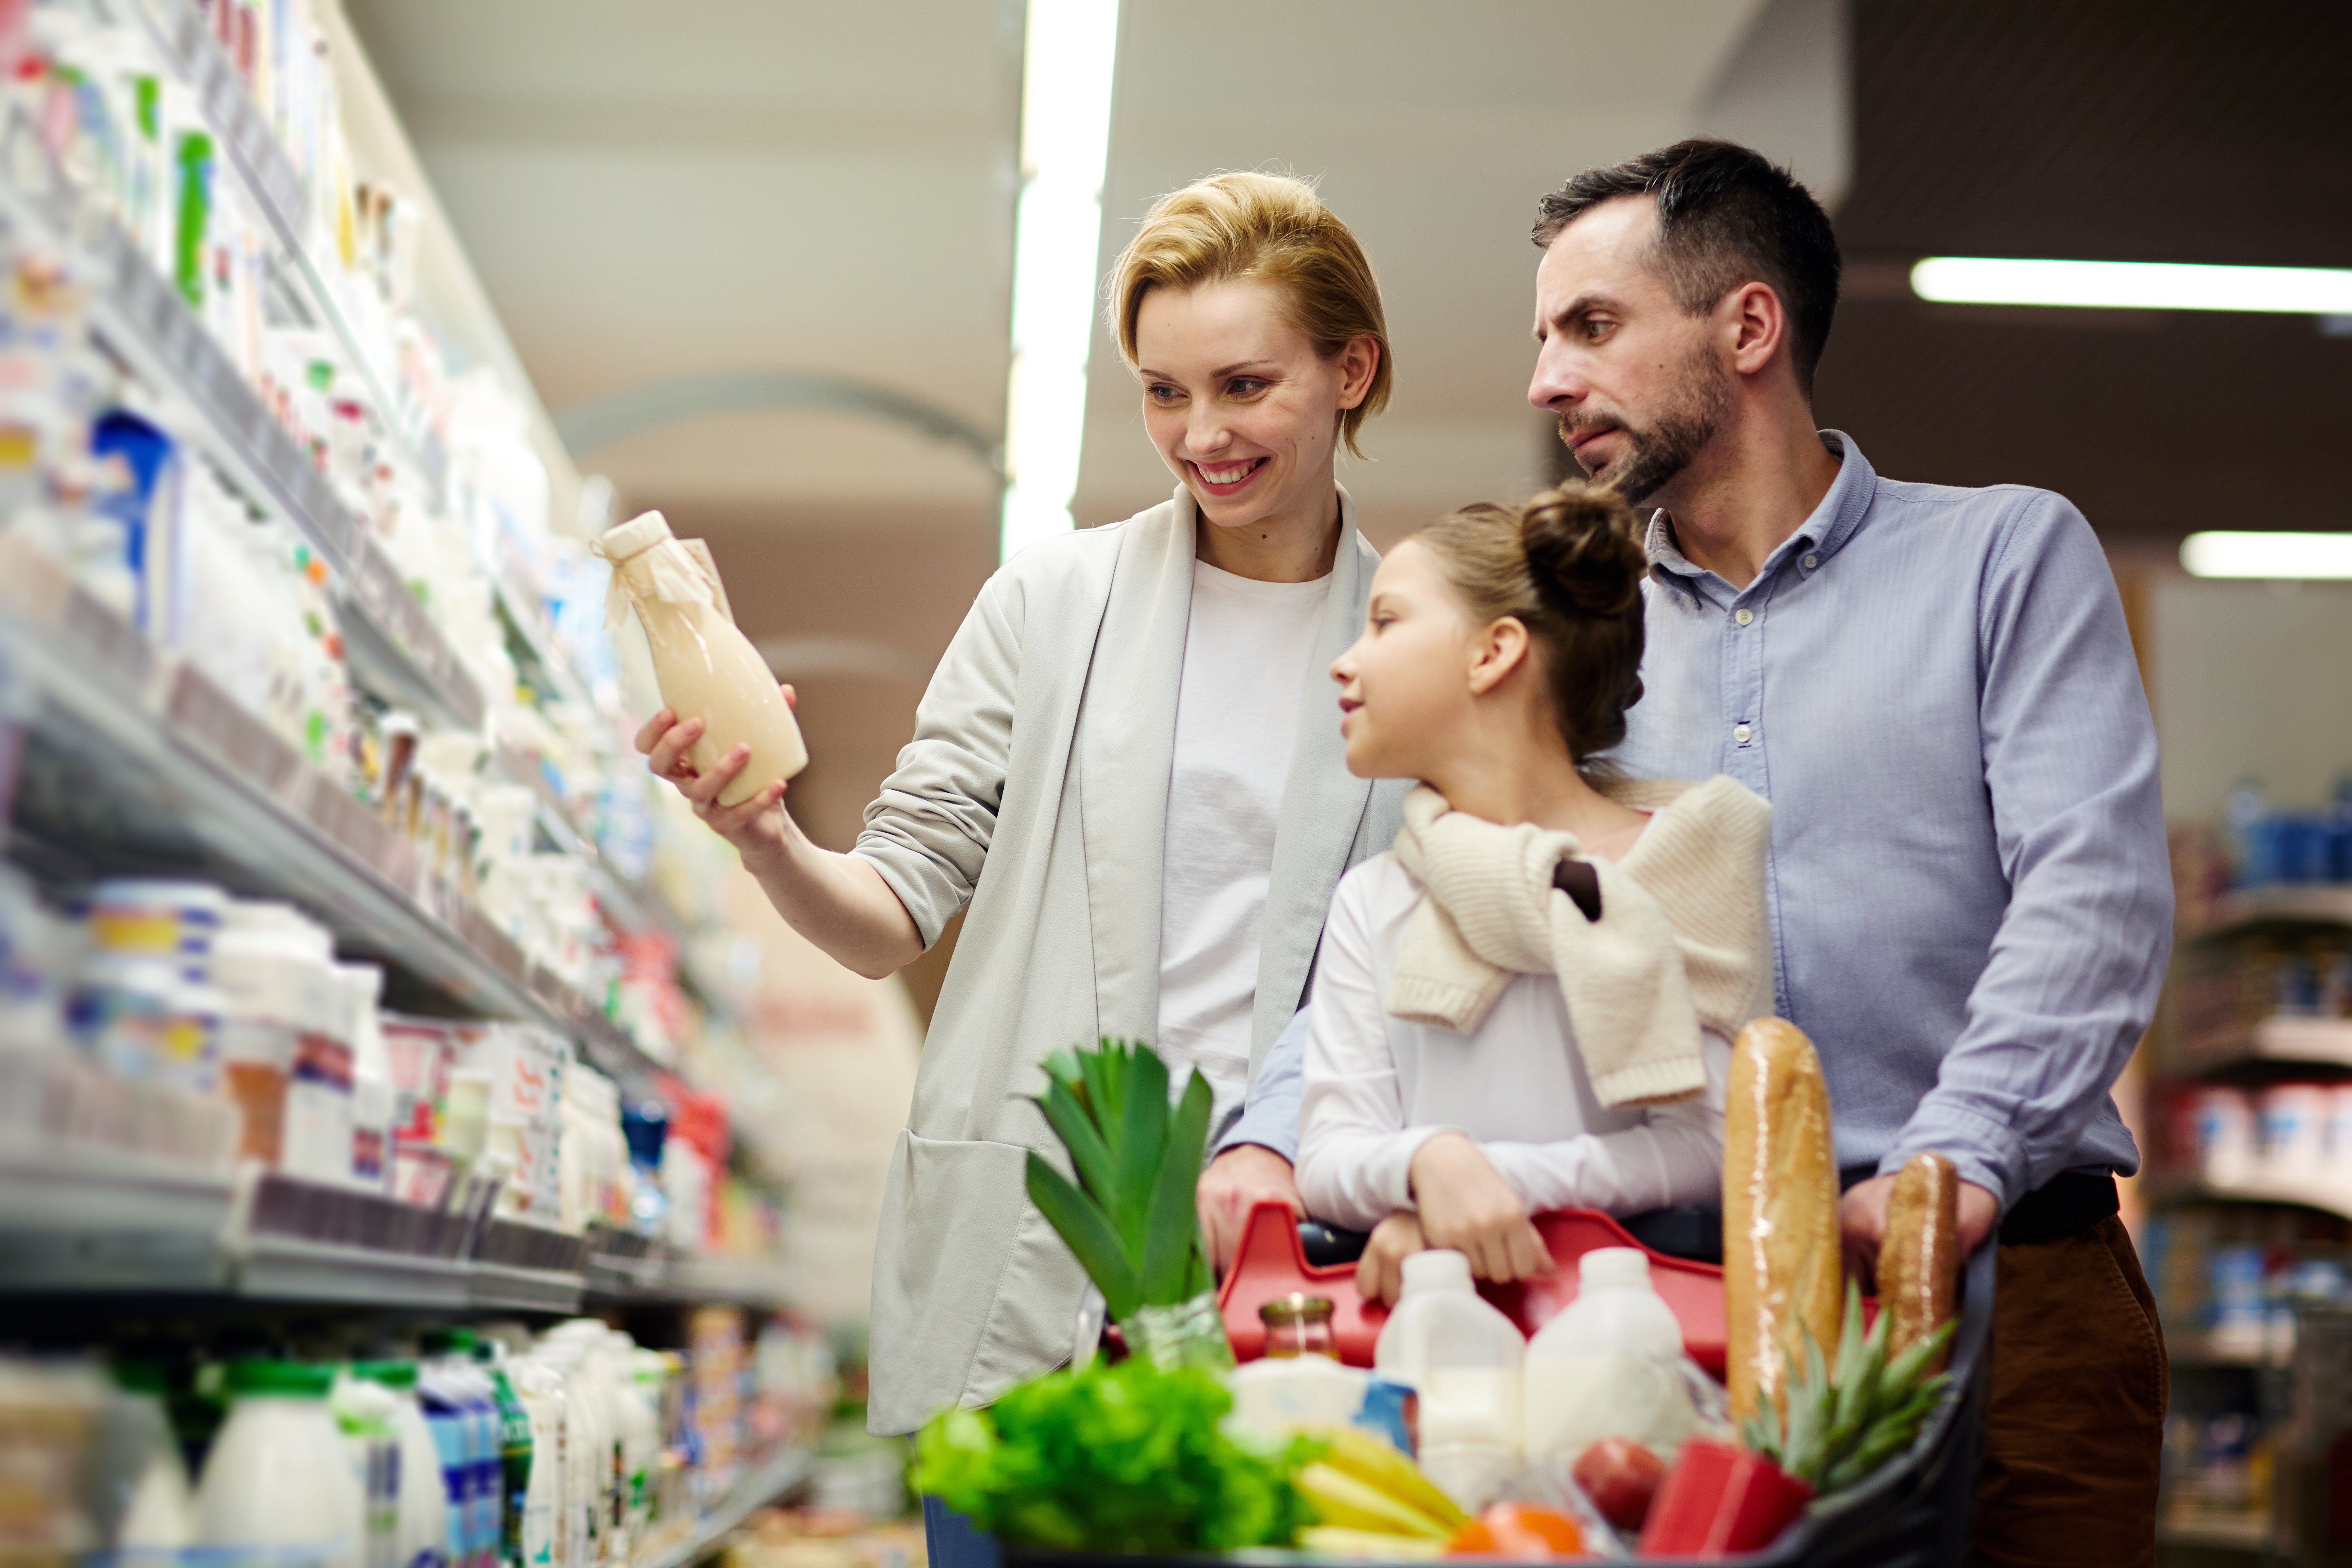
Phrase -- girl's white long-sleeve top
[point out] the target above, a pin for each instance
(1378, 1087)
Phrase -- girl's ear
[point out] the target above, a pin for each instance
(1496, 652)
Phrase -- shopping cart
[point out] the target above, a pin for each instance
(1913, 1514)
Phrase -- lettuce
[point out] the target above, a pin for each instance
(1115, 1458)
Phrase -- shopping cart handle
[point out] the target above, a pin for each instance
(1279, 1257)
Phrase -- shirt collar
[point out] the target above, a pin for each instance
(1820, 536)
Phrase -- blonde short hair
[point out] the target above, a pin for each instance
(1267, 228)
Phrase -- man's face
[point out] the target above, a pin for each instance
(1636, 382)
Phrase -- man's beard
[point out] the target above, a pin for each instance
(1698, 405)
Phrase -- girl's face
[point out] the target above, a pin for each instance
(1242, 409)
(1409, 687)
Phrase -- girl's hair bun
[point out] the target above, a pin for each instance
(1584, 549)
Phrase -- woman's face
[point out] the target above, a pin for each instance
(1408, 687)
(1241, 405)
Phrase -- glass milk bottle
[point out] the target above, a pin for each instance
(1609, 1365)
(708, 669)
(1464, 1357)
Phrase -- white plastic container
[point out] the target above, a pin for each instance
(708, 669)
(1464, 1357)
(372, 1096)
(421, 1531)
(1278, 1395)
(1609, 1365)
(364, 1411)
(276, 1476)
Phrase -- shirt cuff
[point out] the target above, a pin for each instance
(1986, 1152)
(1396, 1159)
(1269, 1121)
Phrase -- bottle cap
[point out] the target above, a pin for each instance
(635, 537)
(450, 1341)
(388, 1373)
(1439, 1268)
(281, 1379)
(1613, 1268)
(1295, 1308)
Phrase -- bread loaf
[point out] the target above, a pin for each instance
(1920, 1252)
(1782, 1269)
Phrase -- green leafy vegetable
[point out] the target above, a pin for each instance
(1129, 1217)
(1115, 1458)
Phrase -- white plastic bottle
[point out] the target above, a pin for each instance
(1464, 1358)
(364, 1411)
(276, 1476)
(708, 669)
(1610, 1365)
(421, 1534)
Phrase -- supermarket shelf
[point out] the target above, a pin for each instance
(2325, 1042)
(158, 741)
(765, 1483)
(182, 37)
(2263, 1347)
(392, 646)
(2319, 903)
(2332, 1197)
(82, 1220)
(2223, 1531)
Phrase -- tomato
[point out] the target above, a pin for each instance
(1620, 1476)
(1518, 1530)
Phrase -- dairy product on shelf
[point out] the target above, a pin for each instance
(276, 1476)
(420, 1518)
(364, 1412)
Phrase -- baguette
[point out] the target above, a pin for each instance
(1783, 1272)
(1919, 1254)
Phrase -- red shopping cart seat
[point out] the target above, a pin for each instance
(1272, 1263)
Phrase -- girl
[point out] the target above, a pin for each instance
(1116, 766)
(1527, 1003)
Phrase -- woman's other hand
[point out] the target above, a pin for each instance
(756, 826)
(1465, 1205)
(1236, 1182)
(1379, 1272)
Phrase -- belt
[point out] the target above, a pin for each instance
(2068, 1204)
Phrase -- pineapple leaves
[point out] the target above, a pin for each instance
(1130, 1217)
(1841, 1420)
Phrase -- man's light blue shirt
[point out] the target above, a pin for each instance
(1971, 901)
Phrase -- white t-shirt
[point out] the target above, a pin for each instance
(1376, 1088)
(1247, 649)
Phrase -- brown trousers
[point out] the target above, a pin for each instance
(2076, 1432)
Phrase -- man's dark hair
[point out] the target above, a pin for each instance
(1726, 215)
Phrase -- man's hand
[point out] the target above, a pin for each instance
(1862, 1220)
(1465, 1205)
(756, 827)
(1379, 1272)
(1236, 1182)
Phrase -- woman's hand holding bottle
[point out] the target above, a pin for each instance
(838, 902)
(757, 826)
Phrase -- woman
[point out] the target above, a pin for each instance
(1128, 735)
(1527, 1003)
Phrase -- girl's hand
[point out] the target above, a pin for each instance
(1464, 1204)
(1379, 1272)
(756, 826)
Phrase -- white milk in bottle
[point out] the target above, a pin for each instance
(1609, 1365)
(1464, 1357)
(708, 669)
(276, 1476)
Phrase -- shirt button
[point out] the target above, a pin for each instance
(1811, 562)
(1743, 616)
(1741, 732)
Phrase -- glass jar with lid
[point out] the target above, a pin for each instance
(1298, 1324)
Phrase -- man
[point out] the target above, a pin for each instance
(1935, 688)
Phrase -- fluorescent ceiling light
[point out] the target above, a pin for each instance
(2133, 285)
(1066, 90)
(2271, 555)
